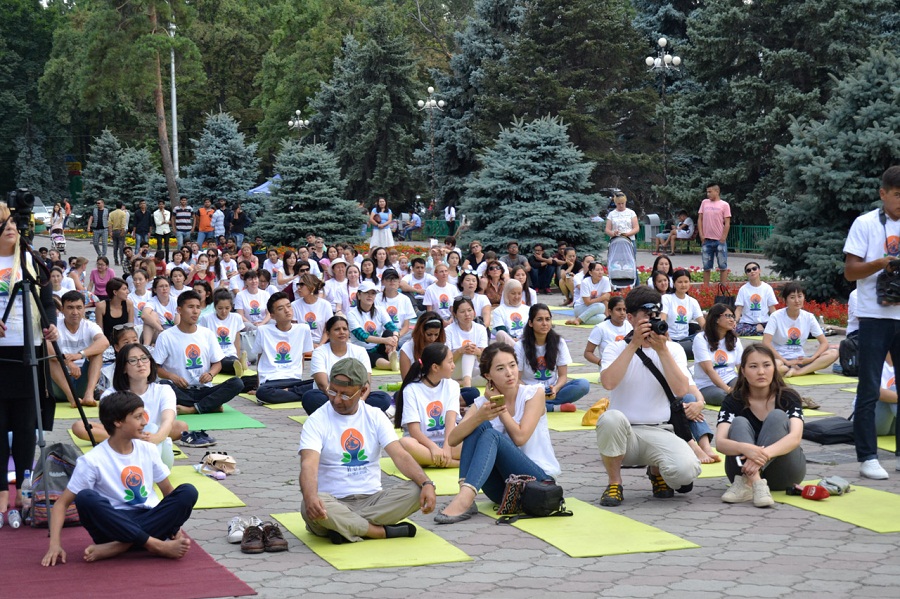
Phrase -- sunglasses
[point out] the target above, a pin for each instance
(495, 268)
(304, 270)
(122, 327)
(751, 269)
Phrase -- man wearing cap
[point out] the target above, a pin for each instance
(634, 431)
(340, 477)
(280, 347)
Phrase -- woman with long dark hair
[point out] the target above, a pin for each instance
(717, 353)
(429, 329)
(373, 330)
(116, 309)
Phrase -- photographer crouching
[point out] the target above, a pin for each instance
(635, 430)
(18, 410)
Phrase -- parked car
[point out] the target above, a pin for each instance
(41, 216)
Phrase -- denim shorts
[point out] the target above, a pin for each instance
(715, 249)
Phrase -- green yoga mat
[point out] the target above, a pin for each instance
(562, 323)
(423, 549)
(593, 532)
(810, 380)
(211, 493)
(888, 443)
(806, 412)
(446, 480)
(85, 446)
(65, 412)
(567, 421)
(863, 507)
(227, 419)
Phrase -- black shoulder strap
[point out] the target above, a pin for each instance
(678, 419)
(657, 374)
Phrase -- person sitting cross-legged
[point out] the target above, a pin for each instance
(340, 477)
(82, 343)
(280, 346)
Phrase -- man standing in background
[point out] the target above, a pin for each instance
(714, 223)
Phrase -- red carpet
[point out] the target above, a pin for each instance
(135, 574)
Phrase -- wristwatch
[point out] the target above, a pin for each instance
(428, 482)
(83, 357)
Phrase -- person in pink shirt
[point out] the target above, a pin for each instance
(713, 224)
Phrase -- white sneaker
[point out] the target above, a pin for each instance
(762, 497)
(872, 469)
(738, 492)
(237, 526)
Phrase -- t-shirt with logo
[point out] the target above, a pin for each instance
(126, 480)
(399, 308)
(420, 285)
(606, 332)
(139, 302)
(189, 355)
(323, 358)
(440, 299)
(374, 323)
(157, 399)
(281, 352)
(430, 407)
(457, 338)
(253, 304)
(314, 315)
(870, 240)
(80, 340)
(887, 377)
(349, 448)
(348, 299)
(755, 303)
(165, 312)
(273, 267)
(226, 331)
(513, 319)
(679, 314)
(591, 290)
(724, 362)
(789, 335)
(546, 374)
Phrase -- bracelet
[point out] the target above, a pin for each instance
(428, 482)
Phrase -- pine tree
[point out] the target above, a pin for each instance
(224, 165)
(532, 189)
(101, 172)
(309, 197)
(32, 170)
(832, 170)
(137, 177)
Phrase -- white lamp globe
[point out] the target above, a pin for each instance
(676, 60)
(421, 103)
(649, 61)
(662, 42)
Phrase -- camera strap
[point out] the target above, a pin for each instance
(678, 418)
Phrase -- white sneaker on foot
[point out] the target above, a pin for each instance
(872, 469)
(762, 497)
(738, 492)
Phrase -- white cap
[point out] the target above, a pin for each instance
(367, 286)
(337, 261)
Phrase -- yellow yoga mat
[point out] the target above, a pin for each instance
(567, 421)
(714, 470)
(221, 378)
(85, 446)
(291, 405)
(809, 380)
(64, 412)
(593, 532)
(562, 323)
(211, 493)
(888, 443)
(300, 419)
(806, 412)
(380, 372)
(446, 480)
(849, 389)
(423, 549)
(560, 308)
(593, 377)
(863, 507)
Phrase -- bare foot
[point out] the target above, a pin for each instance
(713, 456)
(701, 455)
(95, 553)
(4, 501)
(574, 321)
(88, 403)
(185, 409)
(174, 548)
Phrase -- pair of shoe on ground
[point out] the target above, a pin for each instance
(256, 536)
(196, 439)
(614, 494)
(740, 491)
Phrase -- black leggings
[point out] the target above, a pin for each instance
(19, 416)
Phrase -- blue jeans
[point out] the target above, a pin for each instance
(571, 392)
(698, 429)
(315, 398)
(877, 336)
(489, 457)
(182, 237)
(593, 314)
(713, 248)
(203, 236)
(140, 239)
(238, 239)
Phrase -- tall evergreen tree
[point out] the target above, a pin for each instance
(832, 170)
(32, 170)
(309, 197)
(224, 166)
(532, 188)
(137, 178)
(101, 173)
(367, 113)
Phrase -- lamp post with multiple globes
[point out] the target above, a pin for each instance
(431, 104)
(663, 64)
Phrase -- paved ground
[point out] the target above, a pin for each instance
(744, 551)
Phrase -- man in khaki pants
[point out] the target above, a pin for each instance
(118, 223)
(340, 477)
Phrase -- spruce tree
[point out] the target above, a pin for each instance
(136, 178)
(309, 197)
(224, 166)
(32, 170)
(532, 189)
(100, 174)
(832, 170)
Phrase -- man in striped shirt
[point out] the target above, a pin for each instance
(184, 222)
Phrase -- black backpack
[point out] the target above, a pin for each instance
(848, 354)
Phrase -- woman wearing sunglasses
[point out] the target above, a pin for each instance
(754, 304)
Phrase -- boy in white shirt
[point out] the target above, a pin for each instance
(82, 343)
(251, 302)
(280, 347)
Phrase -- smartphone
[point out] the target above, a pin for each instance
(740, 461)
(497, 399)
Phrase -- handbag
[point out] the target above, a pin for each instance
(593, 414)
(526, 497)
(724, 296)
(220, 461)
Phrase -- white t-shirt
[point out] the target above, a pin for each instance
(336, 293)
(589, 290)
(621, 221)
(226, 331)
(273, 267)
(236, 284)
(253, 305)
(139, 302)
(852, 309)
(538, 448)
(685, 233)
(543, 376)
(348, 300)
(281, 352)
(724, 362)
(788, 335)
(639, 395)
(480, 302)
(323, 358)
(226, 268)
(755, 302)
(373, 324)
(399, 308)
(157, 400)
(125, 480)
(189, 355)
(867, 240)
(606, 332)
(72, 343)
(887, 376)
(440, 299)
(514, 319)
(679, 314)
(430, 407)
(457, 338)
(174, 293)
(349, 448)
(315, 316)
(165, 313)
(409, 349)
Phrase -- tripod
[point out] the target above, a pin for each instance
(28, 289)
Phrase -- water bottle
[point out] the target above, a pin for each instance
(26, 491)
(389, 387)
(14, 518)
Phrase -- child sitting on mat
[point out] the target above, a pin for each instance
(112, 486)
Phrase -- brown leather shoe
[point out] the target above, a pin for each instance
(253, 542)
(273, 540)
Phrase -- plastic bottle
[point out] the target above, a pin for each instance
(14, 518)
(216, 474)
(390, 387)
(26, 491)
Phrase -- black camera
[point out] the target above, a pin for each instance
(21, 205)
(657, 324)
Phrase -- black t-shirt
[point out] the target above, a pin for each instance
(732, 408)
(474, 262)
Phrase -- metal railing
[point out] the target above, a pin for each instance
(741, 238)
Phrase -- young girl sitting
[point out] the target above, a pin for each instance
(787, 331)
(466, 340)
(681, 311)
(613, 329)
(717, 352)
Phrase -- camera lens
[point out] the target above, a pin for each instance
(659, 326)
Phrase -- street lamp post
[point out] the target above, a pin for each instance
(662, 64)
(431, 105)
(298, 124)
(171, 32)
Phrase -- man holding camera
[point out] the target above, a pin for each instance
(872, 246)
(634, 431)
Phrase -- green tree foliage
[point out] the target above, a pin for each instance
(759, 64)
(367, 114)
(101, 173)
(532, 188)
(309, 197)
(137, 178)
(832, 170)
(225, 165)
(32, 170)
